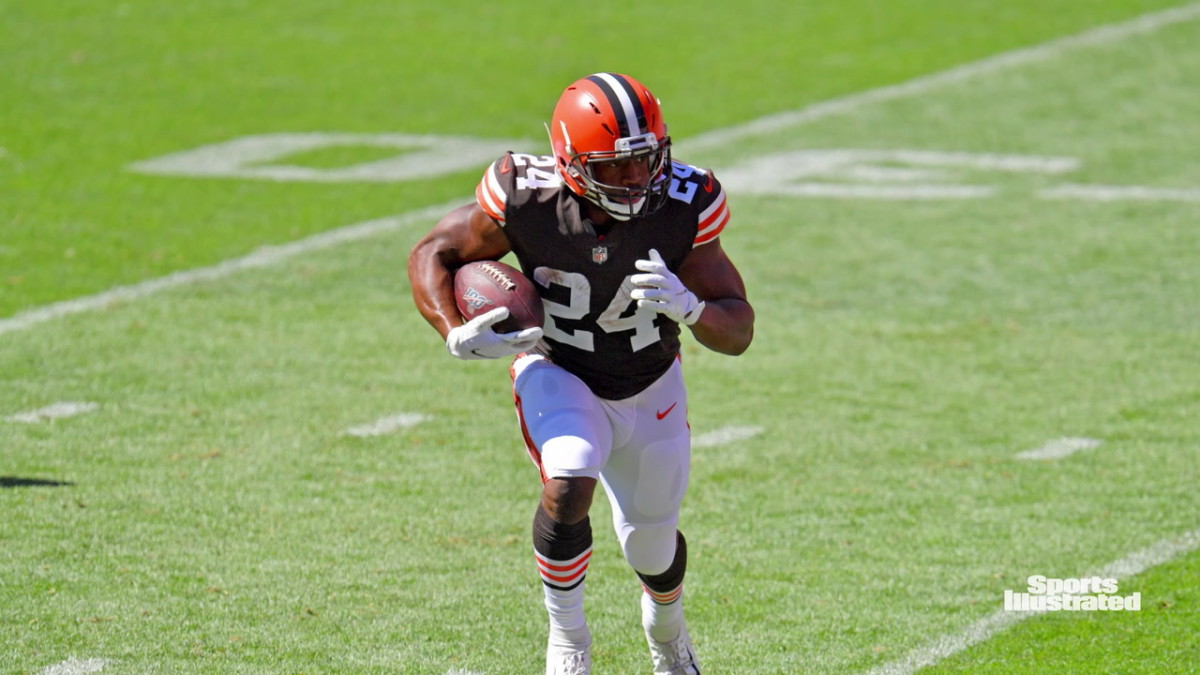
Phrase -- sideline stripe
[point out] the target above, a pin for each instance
(1059, 448)
(772, 123)
(949, 645)
(263, 257)
(1106, 34)
(75, 667)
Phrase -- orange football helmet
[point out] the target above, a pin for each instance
(610, 117)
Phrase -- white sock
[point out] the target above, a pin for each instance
(568, 627)
(662, 622)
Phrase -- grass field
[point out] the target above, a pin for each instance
(968, 228)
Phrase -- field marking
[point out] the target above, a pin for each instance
(1059, 448)
(54, 411)
(387, 425)
(267, 256)
(948, 645)
(257, 157)
(725, 435)
(75, 666)
(1157, 554)
(1117, 193)
(1106, 34)
(262, 257)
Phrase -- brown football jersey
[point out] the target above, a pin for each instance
(593, 328)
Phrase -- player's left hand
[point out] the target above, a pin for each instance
(660, 290)
(477, 339)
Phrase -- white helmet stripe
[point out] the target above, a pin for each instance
(629, 107)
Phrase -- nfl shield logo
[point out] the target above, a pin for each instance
(599, 254)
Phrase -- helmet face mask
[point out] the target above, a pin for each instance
(619, 200)
(610, 119)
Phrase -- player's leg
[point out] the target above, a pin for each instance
(646, 479)
(568, 437)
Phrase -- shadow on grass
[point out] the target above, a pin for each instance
(15, 482)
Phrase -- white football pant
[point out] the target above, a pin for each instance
(639, 449)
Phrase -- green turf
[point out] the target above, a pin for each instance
(1160, 638)
(89, 89)
(218, 520)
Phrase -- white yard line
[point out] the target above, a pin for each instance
(1146, 23)
(948, 645)
(1120, 193)
(263, 257)
(1059, 448)
(724, 436)
(387, 425)
(271, 255)
(76, 667)
(54, 411)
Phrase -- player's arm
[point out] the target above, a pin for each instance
(726, 322)
(706, 294)
(463, 235)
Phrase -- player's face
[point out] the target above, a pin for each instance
(626, 173)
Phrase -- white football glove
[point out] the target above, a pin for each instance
(663, 292)
(475, 339)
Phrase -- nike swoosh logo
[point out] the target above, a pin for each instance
(505, 165)
(663, 413)
(708, 184)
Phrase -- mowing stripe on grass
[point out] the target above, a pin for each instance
(267, 256)
(948, 645)
(1059, 448)
(263, 257)
(54, 411)
(76, 667)
(1102, 35)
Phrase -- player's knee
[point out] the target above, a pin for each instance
(650, 550)
(571, 454)
(568, 500)
(569, 448)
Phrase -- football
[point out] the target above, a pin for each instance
(484, 285)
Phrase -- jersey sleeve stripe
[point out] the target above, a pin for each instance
(713, 231)
(712, 221)
(485, 203)
(709, 214)
(490, 195)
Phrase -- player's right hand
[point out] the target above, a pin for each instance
(475, 339)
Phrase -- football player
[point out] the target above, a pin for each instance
(623, 244)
